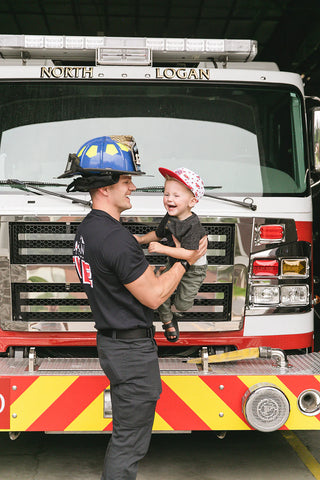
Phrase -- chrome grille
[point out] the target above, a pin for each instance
(48, 245)
(44, 243)
(38, 243)
(49, 302)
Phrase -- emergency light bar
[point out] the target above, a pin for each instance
(126, 50)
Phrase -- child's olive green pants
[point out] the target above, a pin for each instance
(186, 291)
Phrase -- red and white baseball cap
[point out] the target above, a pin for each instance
(190, 179)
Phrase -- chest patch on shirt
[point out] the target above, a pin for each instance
(83, 268)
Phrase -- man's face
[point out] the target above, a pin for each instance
(119, 194)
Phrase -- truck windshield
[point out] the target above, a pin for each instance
(246, 139)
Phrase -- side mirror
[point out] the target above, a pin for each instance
(316, 140)
(315, 144)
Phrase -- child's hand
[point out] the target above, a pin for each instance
(155, 247)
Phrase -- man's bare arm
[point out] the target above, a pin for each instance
(152, 291)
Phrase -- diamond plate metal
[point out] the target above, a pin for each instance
(308, 364)
(177, 365)
(70, 364)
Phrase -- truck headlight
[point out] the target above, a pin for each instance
(265, 295)
(294, 295)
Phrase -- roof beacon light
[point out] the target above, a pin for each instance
(120, 56)
(33, 41)
(74, 42)
(193, 45)
(129, 50)
(53, 42)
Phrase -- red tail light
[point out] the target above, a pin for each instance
(265, 268)
(271, 232)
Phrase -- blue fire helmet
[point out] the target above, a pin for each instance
(104, 155)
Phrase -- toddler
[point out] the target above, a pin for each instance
(183, 231)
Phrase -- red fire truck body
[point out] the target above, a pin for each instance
(244, 358)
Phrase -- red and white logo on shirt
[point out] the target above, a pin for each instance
(83, 268)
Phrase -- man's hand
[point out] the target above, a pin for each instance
(185, 254)
(196, 254)
(152, 290)
(176, 242)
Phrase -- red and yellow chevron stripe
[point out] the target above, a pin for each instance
(188, 402)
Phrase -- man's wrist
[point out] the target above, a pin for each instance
(185, 264)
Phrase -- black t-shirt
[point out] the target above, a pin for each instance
(106, 257)
(189, 231)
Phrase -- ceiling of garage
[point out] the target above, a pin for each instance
(287, 31)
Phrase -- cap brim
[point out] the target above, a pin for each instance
(166, 172)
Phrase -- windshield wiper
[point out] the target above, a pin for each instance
(30, 186)
(160, 189)
(246, 204)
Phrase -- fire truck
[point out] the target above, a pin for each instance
(245, 359)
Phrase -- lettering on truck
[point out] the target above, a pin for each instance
(66, 72)
(161, 73)
(183, 73)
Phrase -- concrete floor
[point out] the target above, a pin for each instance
(201, 455)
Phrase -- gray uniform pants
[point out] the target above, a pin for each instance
(133, 370)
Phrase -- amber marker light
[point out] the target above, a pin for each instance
(294, 267)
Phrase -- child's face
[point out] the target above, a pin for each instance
(178, 199)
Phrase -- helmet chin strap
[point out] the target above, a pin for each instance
(85, 184)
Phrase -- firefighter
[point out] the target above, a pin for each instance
(123, 291)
